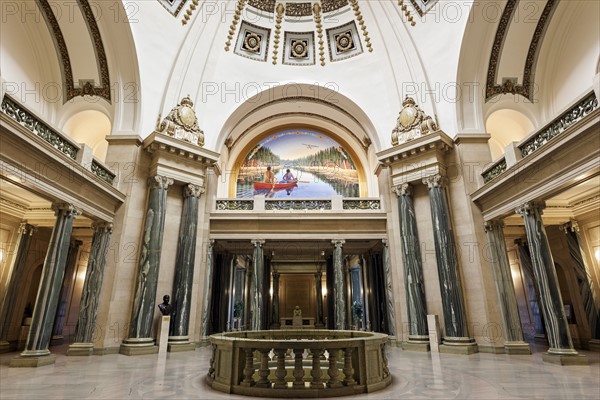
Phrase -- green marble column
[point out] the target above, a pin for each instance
(418, 333)
(339, 286)
(90, 295)
(208, 278)
(456, 335)
(389, 291)
(561, 349)
(140, 340)
(26, 232)
(589, 295)
(257, 288)
(38, 340)
(65, 292)
(319, 302)
(184, 271)
(507, 299)
(275, 324)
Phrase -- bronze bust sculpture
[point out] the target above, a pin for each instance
(165, 308)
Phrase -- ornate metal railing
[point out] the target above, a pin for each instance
(25, 118)
(560, 124)
(358, 204)
(496, 169)
(102, 172)
(312, 205)
(298, 363)
(235, 205)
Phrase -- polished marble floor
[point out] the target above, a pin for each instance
(415, 376)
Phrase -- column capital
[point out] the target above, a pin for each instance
(276, 274)
(211, 242)
(318, 274)
(26, 228)
(404, 189)
(493, 224)
(530, 207)
(159, 182)
(70, 209)
(385, 242)
(258, 242)
(99, 226)
(435, 181)
(572, 226)
(338, 243)
(191, 190)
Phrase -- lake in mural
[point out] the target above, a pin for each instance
(321, 166)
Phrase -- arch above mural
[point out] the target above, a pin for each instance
(320, 165)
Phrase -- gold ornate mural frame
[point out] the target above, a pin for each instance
(362, 178)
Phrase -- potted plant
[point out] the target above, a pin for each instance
(357, 312)
(238, 308)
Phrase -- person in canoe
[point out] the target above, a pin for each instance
(269, 176)
(288, 177)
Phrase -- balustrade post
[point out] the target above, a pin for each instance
(298, 370)
(263, 372)
(316, 369)
(248, 369)
(348, 369)
(333, 371)
(280, 373)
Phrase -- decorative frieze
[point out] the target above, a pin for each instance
(263, 5)
(102, 172)
(297, 205)
(361, 204)
(496, 170)
(298, 9)
(560, 124)
(235, 205)
(333, 5)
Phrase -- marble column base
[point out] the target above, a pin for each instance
(594, 345)
(460, 345)
(32, 362)
(540, 338)
(180, 343)
(5, 347)
(516, 348)
(57, 340)
(80, 349)
(416, 346)
(561, 359)
(138, 347)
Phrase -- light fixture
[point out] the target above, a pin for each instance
(597, 254)
(324, 291)
(271, 291)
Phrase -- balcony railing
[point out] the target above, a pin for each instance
(541, 137)
(334, 204)
(59, 141)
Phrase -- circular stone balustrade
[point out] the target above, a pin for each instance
(299, 363)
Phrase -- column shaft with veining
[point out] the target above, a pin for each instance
(413, 269)
(257, 286)
(65, 292)
(557, 328)
(275, 324)
(208, 277)
(144, 302)
(90, 294)
(507, 299)
(319, 299)
(26, 232)
(339, 286)
(51, 280)
(455, 319)
(389, 290)
(184, 265)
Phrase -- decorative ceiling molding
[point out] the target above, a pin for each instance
(88, 88)
(173, 6)
(509, 85)
(422, 6)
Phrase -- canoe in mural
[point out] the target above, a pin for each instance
(275, 186)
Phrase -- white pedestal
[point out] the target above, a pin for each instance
(433, 325)
(163, 335)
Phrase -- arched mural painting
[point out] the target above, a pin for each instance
(321, 165)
